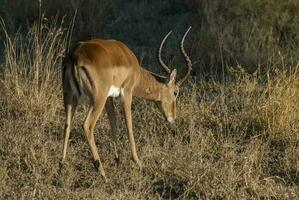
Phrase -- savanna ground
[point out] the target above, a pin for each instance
(238, 116)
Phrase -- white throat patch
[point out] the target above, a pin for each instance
(115, 91)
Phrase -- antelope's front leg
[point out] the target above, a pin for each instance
(112, 119)
(127, 102)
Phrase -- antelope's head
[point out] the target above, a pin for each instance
(167, 103)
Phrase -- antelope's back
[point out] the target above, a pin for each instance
(105, 54)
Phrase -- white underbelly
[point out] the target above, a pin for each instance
(115, 91)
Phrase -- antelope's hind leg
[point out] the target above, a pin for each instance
(70, 98)
(70, 110)
(94, 113)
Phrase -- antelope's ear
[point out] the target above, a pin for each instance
(172, 77)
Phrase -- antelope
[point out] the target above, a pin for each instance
(103, 69)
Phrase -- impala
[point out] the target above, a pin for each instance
(103, 69)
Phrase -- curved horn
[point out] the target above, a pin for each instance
(159, 53)
(187, 59)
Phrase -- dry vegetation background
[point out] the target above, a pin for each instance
(238, 116)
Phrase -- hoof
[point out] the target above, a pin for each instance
(117, 160)
(97, 164)
(139, 163)
(61, 165)
(174, 132)
(144, 172)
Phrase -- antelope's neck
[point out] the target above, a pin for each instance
(148, 87)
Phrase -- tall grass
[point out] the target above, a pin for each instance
(32, 64)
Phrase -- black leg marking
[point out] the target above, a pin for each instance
(97, 165)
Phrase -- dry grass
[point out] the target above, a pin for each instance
(237, 139)
(246, 32)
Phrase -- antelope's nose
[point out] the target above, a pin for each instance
(170, 120)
